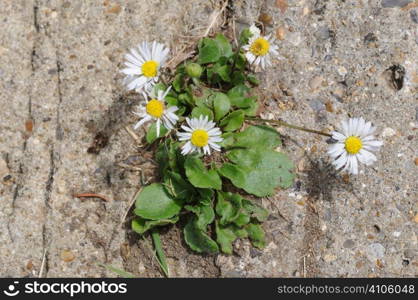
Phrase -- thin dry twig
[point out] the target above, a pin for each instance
(215, 15)
(131, 203)
(133, 135)
(410, 5)
(91, 195)
(41, 271)
(187, 50)
(129, 167)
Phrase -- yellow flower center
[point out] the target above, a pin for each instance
(155, 108)
(149, 68)
(200, 138)
(260, 47)
(353, 144)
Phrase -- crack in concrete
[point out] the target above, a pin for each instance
(59, 132)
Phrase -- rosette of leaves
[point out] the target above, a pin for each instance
(210, 195)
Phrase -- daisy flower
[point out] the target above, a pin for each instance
(155, 109)
(143, 64)
(354, 143)
(201, 134)
(260, 49)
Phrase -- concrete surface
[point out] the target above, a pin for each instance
(61, 95)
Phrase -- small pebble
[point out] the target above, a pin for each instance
(410, 253)
(329, 107)
(375, 251)
(4, 169)
(29, 125)
(315, 82)
(281, 33)
(330, 257)
(266, 19)
(342, 71)
(388, 132)
(348, 244)
(317, 105)
(395, 3)
(115, 9)
(67, 256)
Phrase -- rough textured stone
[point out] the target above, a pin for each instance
(395, 3)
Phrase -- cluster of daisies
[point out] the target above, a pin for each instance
(355, 141)
(143, 65)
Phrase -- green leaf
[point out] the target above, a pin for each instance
(223, 72)
(228, 207)
(242, 219)
(158, 87)
(152, 132)
(185, 98)
(121, 273)
(209, 52)
(256, 211)
(154, 203)
(252, 109)
(237, 77)
(237, 94)
(240, 61)
(197, 239)
(178, 187)
(245, 36)
(235, 173)
(225, 236)
(159, 252)
(228, 139)
(178, 82)
(253, 80)
(221, 105)
(224, 45)
(264, 170)
(202, 111)
(171, 101)
(233, 121)
(204, 213)
(168, 156)
(256, 235)
(205, 196)
(258, 136)
(199, 176)
(140, 225)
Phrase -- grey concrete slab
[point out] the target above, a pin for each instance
(61, 88)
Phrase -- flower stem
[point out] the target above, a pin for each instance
(282, 123)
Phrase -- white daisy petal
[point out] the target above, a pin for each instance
(366, 157)
(260, 49)
(142, 121)
(158, 127)
(355, 145)
(336, 150)
(154, 55)
(341, 161)
(338, 136)
(373, 143)
(200, 136)
(155, 109)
